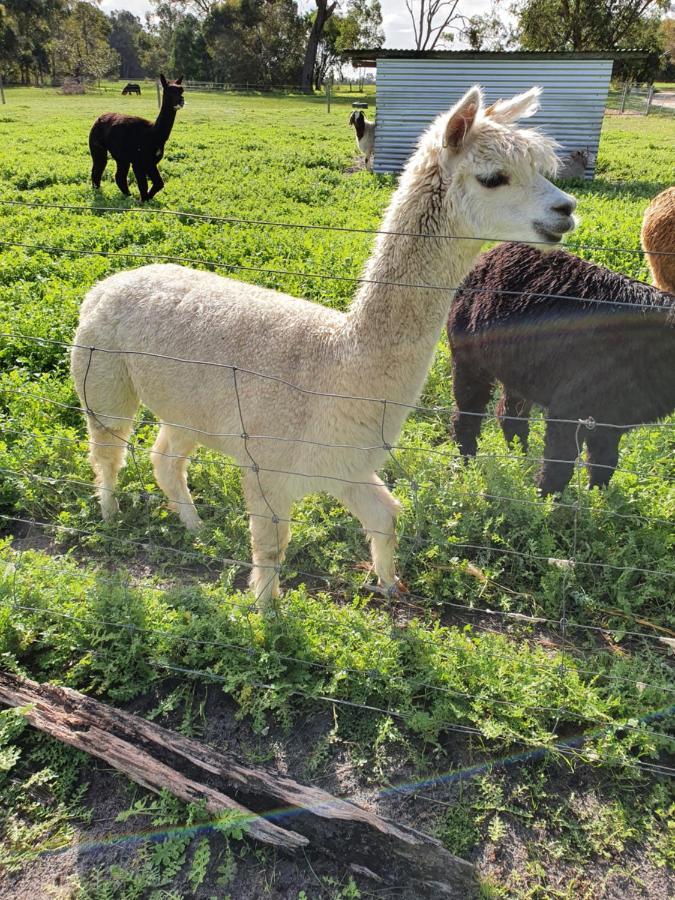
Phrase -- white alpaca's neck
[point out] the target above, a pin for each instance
(394, 322)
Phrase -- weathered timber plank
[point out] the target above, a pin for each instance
(392, 852)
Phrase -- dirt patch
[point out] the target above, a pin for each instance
(358, 165)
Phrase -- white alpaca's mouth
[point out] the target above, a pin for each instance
(554, 236)
(551, 237)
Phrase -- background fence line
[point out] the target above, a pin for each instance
(235, 220)
(321, 276)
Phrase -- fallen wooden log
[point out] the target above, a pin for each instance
(159, 759)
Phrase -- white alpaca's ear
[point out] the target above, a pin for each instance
(461, 118)
(522, 106)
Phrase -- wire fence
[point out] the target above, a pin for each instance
(571, 644)
(629, 98)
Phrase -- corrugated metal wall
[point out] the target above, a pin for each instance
(411, 92)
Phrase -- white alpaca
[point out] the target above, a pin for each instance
(474, 174)
(365, 136)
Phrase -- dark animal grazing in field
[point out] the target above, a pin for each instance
(135, 142)
(610, 362)
(132, 88)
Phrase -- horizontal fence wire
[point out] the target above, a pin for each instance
(331, 395)
(570, 748)
(219, 507)
(369, 673)
(551, 560)
(235, 220)
(321, 276)
(564, 748)
(251, 607)
(250, 651)
(328, 578)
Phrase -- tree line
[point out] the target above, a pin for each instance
(273, 42)
(259, 42)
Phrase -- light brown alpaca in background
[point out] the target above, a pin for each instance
(658, 239)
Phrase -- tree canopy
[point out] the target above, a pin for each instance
(259, 42)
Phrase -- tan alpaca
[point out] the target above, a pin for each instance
(574, 164)
(472, 175)
(658, 239)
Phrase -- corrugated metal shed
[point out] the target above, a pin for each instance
(413, 88)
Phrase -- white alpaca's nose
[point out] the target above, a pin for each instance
(565, 207)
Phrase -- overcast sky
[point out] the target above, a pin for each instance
(396, 19)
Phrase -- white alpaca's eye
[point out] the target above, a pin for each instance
(497, 179)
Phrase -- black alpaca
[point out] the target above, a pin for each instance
(610, 361)
(132, 88)
(135, 142)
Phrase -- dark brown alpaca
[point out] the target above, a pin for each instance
(135, 142)
(610, 361)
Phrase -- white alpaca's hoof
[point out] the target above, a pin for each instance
(394, 590)
(192, 522)
(109, 508)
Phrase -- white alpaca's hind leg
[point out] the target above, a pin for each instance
(376, 509)
(110, 402)
(107, 452)
(269, 511)
(169, 461)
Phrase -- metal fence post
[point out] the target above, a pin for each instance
(329, 84)
(650, 97)
(623, 96)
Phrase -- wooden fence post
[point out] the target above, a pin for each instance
(650, 97)
(623, 97)
(2, 91)
(159, 96)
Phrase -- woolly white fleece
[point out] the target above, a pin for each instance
(381, 347)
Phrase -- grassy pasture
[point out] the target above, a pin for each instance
(538, 825)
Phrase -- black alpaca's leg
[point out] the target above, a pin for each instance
(603, 455)
(99, 157)
(560, 453)
(513, 413)
(472, 395)
(157, 181)
(121, 176)
(141, 181)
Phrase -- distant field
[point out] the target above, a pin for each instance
(537, 825)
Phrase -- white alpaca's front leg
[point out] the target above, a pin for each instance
(169, 461)
(269, 539)
(269, 511)
(377, 510)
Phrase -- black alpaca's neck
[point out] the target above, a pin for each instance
(164, 121)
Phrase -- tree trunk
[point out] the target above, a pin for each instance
(323, 14)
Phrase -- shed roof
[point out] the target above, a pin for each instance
(368, 58)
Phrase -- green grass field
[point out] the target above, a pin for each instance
(118, 610)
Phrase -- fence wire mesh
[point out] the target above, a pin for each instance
(562, 649)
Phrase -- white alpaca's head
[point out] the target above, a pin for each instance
(492, 174)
